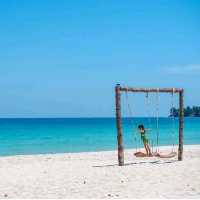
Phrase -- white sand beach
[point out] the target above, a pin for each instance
(97, 175)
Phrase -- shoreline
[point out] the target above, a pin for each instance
(162, 148)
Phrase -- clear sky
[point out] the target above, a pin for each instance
(63, 58)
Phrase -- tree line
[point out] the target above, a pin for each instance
(188, 111)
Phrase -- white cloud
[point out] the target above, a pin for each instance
(183, 69)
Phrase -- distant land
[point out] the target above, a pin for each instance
(193, 111)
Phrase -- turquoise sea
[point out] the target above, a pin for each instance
(38, 136)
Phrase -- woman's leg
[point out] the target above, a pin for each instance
(145, 146)
(149, 150)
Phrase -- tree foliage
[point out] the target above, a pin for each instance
(188, 111)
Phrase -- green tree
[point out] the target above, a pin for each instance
(188, 111)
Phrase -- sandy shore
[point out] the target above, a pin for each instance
(96, 175)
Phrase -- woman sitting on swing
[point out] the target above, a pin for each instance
(145, 140)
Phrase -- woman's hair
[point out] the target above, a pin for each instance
(141, 126)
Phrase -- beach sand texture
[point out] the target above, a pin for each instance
(97, 175)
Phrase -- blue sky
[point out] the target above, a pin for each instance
(63, 58)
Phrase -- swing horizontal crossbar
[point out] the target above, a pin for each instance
(169, 90)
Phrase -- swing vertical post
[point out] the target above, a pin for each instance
(181, 122)
(119, 125)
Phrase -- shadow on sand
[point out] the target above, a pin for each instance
(157, 162)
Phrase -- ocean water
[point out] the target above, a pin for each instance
(40, 136)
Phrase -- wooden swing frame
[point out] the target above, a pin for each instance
(119, 89)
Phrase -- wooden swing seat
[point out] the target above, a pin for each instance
(169, 155)
(140, 154)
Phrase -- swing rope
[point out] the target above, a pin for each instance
(157, 120)
(147, 110)
(148, 117)
(131, 116)
(173, 119)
